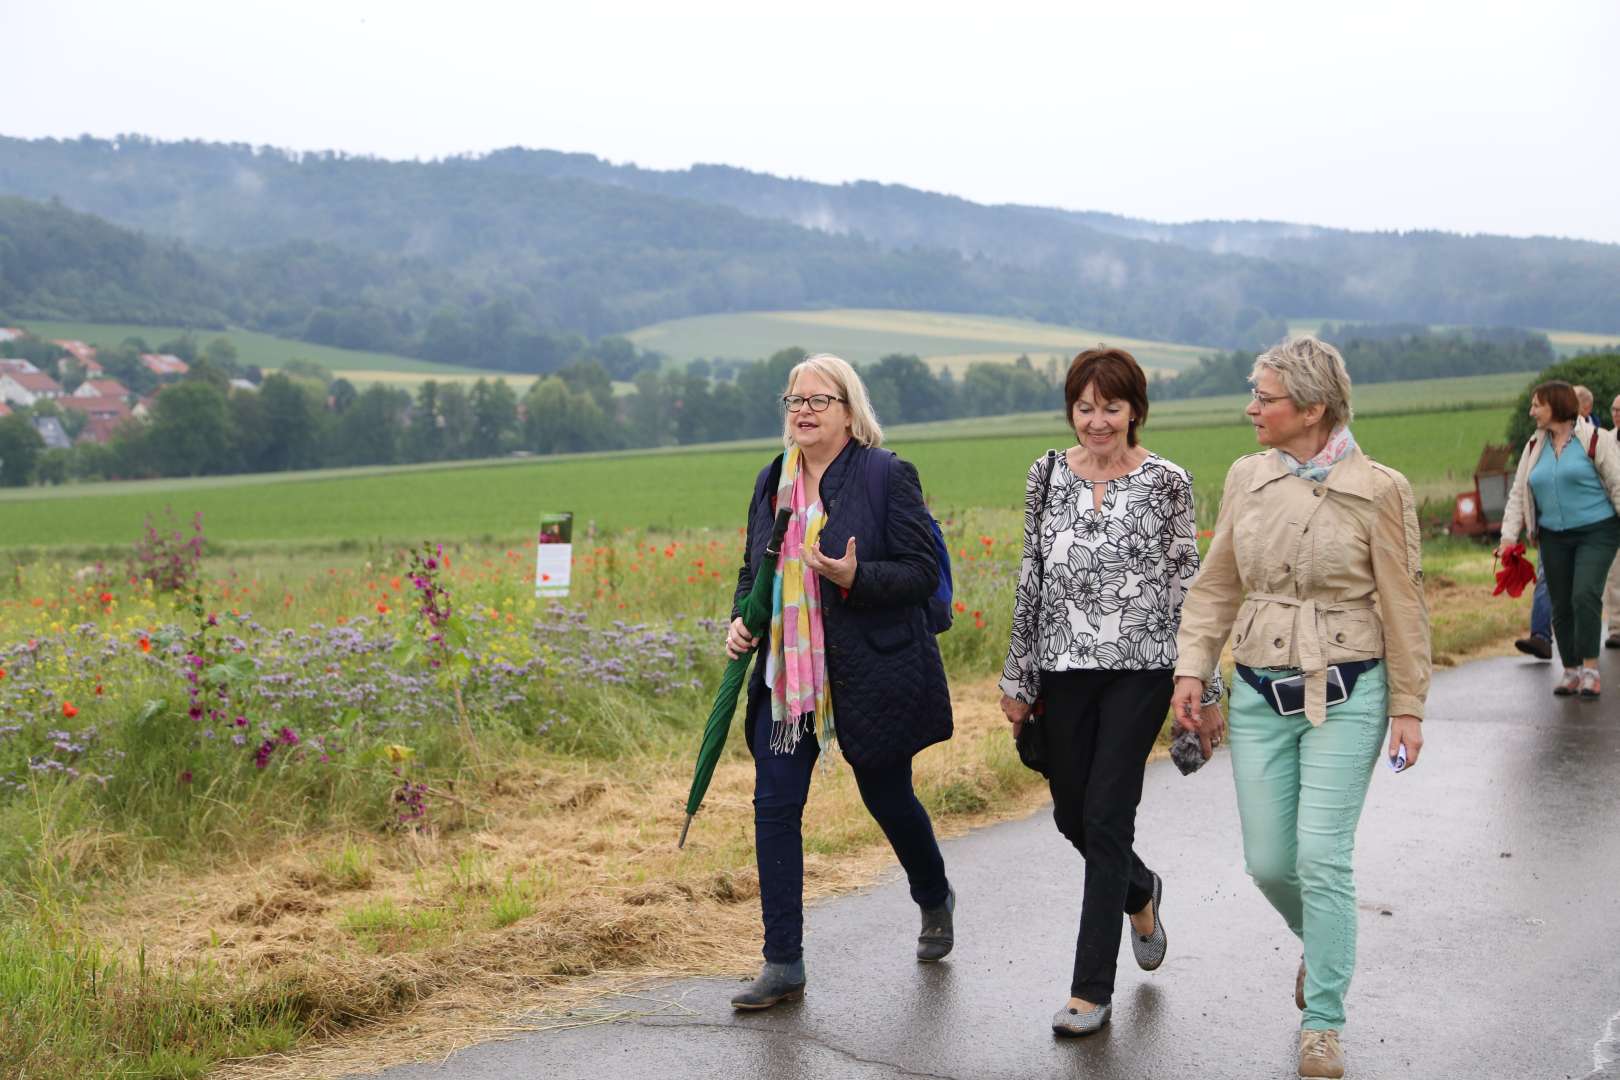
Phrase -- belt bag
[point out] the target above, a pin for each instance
(1286, 695)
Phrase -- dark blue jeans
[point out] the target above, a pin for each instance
(781, 786)
(1541, 619)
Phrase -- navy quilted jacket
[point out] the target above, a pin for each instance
(888, 684)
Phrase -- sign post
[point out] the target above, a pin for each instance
(554, 554)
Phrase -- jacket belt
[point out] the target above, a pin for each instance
(1308, 645)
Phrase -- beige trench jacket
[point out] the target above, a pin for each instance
(1306, 575)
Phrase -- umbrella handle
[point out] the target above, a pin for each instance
(682, 841)
(778, 532)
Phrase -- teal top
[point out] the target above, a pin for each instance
(1569, 493)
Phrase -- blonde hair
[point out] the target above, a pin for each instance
(863, 422)
(1312, 373)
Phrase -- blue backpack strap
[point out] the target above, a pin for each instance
(878, 468)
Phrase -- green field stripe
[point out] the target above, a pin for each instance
(700, 488)
(253, 347)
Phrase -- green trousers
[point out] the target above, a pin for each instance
(1299, 793)
(1578, 562)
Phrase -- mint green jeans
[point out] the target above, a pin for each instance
(1299, 793)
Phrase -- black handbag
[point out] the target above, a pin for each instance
(1031, 739)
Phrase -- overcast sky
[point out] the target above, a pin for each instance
(1474, 116)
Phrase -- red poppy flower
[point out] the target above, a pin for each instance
(68, 710)
(382, 608)
(145, 644)
(106, 598)
(960, 607)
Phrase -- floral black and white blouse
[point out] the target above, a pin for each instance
(1114, 578)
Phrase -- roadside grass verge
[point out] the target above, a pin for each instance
(198, 909)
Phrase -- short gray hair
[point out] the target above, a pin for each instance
(1312, 373)
(1583, 397)
(863, 422)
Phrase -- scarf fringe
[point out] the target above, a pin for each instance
(788, 731)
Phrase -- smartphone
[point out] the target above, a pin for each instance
(1289, 694)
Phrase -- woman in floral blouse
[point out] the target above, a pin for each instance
(1110, 546)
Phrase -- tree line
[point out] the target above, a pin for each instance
(301, 418)
(1380, 353)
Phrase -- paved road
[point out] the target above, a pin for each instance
(1489, 882)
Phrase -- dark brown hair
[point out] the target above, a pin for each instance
(1118, 377)
(1558, 396)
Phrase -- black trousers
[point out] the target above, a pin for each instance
(1100, 727)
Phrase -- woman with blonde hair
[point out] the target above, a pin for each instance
(850, 661)
(1316, 563)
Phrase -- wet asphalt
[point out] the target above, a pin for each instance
(1488, 883)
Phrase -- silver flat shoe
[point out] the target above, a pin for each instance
(1072, 1023)
(1149, 948)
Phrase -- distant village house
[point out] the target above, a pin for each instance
(27, 388)
(164, 364)
(51, 430)
(84, 354)
(102, 388)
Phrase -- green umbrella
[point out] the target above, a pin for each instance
(756, 615)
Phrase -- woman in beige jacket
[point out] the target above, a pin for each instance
(1315, 571)
(1566, 494)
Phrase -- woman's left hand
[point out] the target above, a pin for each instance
(1406, 731)
(841, 572)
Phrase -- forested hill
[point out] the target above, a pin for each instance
(1422, 276)
(475, 259)
(55, 263)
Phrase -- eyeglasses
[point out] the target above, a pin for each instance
(1266, 399)
(817, 402)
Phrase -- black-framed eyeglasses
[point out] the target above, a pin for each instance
(817, 402)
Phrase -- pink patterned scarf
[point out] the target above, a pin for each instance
(796, 670)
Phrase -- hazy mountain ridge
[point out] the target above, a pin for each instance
(546, 242)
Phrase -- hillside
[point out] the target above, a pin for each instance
(55, 263)
(490, 260)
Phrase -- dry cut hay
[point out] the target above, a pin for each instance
(413, 965)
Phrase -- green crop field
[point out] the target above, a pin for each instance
(1373, 399)
(659, 489)
(865, 335)
(267, 351)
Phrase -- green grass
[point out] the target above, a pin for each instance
(72, 1006)
(865, 335)
(253, 347)
(651, 490)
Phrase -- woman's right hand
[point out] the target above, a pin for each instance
(739, 642)
(1185, 702)
(1016, 712)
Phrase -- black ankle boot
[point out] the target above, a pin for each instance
(938, 932)
(776, 983)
